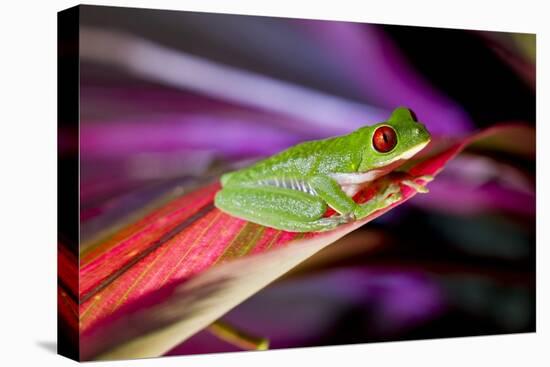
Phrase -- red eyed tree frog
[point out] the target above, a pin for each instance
(292, 190)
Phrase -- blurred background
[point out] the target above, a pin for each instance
(175, 98)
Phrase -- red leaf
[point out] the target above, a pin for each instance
(168, 275)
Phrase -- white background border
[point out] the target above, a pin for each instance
(28, 182)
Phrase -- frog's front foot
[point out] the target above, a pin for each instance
(421, 188)
(391, 194)
(386, 197)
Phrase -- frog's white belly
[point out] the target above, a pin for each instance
(352, 183)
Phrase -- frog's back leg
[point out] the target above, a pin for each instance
(276, 207)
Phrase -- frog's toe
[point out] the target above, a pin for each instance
(390, 195)
(392, 189)
(425, 178)
(415, 186)
(346, 218)
(395, 197)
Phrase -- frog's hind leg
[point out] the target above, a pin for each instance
(276, 207)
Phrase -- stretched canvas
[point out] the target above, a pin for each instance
(411, 216)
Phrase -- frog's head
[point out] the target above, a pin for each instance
(392, 142)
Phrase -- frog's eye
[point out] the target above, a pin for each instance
(384, 139)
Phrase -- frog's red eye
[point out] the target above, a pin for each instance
(384, 139)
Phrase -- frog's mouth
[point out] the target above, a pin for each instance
(406, 155)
